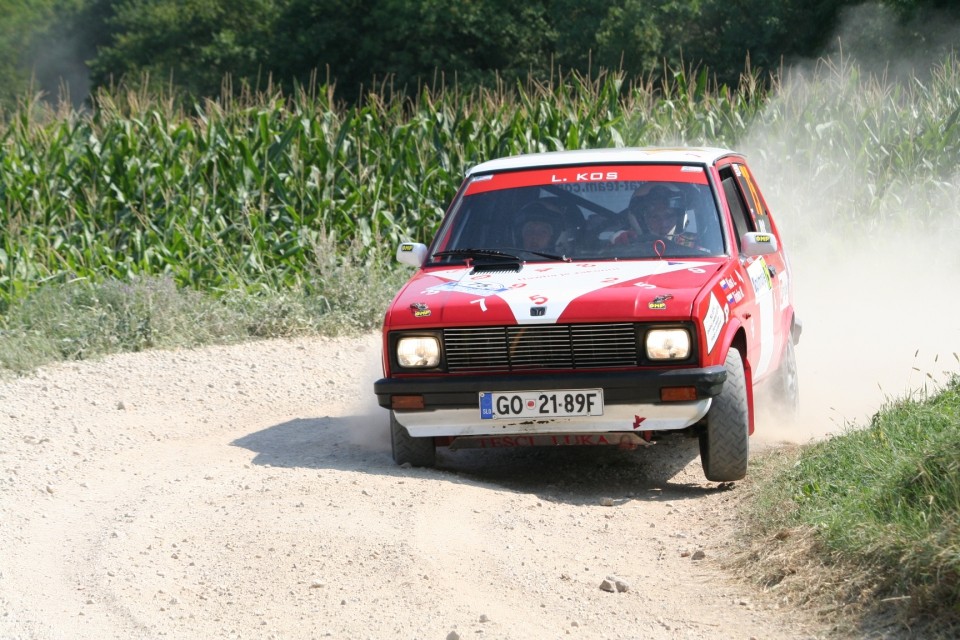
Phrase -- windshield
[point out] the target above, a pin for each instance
(583, 213)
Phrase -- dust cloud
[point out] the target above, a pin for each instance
(881, 321)
(367, 423)
(878, 290)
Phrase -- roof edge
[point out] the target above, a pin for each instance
(616, 155)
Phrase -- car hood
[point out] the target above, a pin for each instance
(551, 293)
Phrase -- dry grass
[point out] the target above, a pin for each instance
(792, 564)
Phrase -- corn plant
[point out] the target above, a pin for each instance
(237, 193)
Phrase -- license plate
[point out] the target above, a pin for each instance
(541, 404)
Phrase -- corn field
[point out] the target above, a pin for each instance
(243, 193)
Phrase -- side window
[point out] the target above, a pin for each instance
(754, 202)
(742, 221)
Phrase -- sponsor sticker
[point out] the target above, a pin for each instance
(535, 440)
(581, 179)
(731, 290)
(713, 322)
(760, 276)
(660, 302)
(420, 310)
(475, 288)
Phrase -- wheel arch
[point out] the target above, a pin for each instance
(736, 338)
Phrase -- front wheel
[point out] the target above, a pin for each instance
(725, 442)
(417, 452)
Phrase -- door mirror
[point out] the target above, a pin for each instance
(412, 253)
(756, 243)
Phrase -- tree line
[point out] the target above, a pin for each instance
(205, 47)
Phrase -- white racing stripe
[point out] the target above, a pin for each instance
(763, 288)
(765, 303)
(552, 286)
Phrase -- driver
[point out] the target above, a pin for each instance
(653, 215)
(537, 234)
(537, 227)
(657, 215)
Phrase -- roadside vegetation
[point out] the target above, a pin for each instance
(283, 211)
(81, 318)
(272, 198)
(864, 527)
(144, 224)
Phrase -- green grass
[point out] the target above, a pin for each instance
(878, 509)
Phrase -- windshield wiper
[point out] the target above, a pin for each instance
(497, 255)
(477, 253)
(550, 256)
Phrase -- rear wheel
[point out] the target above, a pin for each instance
(417, 452)
(725, 442)
(786, 385)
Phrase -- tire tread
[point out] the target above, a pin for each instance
(417, 452)
(725, 444)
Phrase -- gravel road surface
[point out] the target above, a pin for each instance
(248, 492)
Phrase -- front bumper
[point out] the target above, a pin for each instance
(632, 401)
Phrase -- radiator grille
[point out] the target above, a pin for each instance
(525, 348)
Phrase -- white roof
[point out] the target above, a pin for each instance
(621, 155)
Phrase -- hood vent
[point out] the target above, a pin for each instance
(509, 267)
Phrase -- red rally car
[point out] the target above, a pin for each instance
(593, 297)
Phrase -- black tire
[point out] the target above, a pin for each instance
(417, 452)
(786, 384)
(725, 442)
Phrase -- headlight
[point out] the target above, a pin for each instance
(418, 352)
(668, 344)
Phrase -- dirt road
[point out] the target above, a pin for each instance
(248, 492)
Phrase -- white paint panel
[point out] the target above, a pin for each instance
(765, 303)
(615, 418)
(552, 285)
